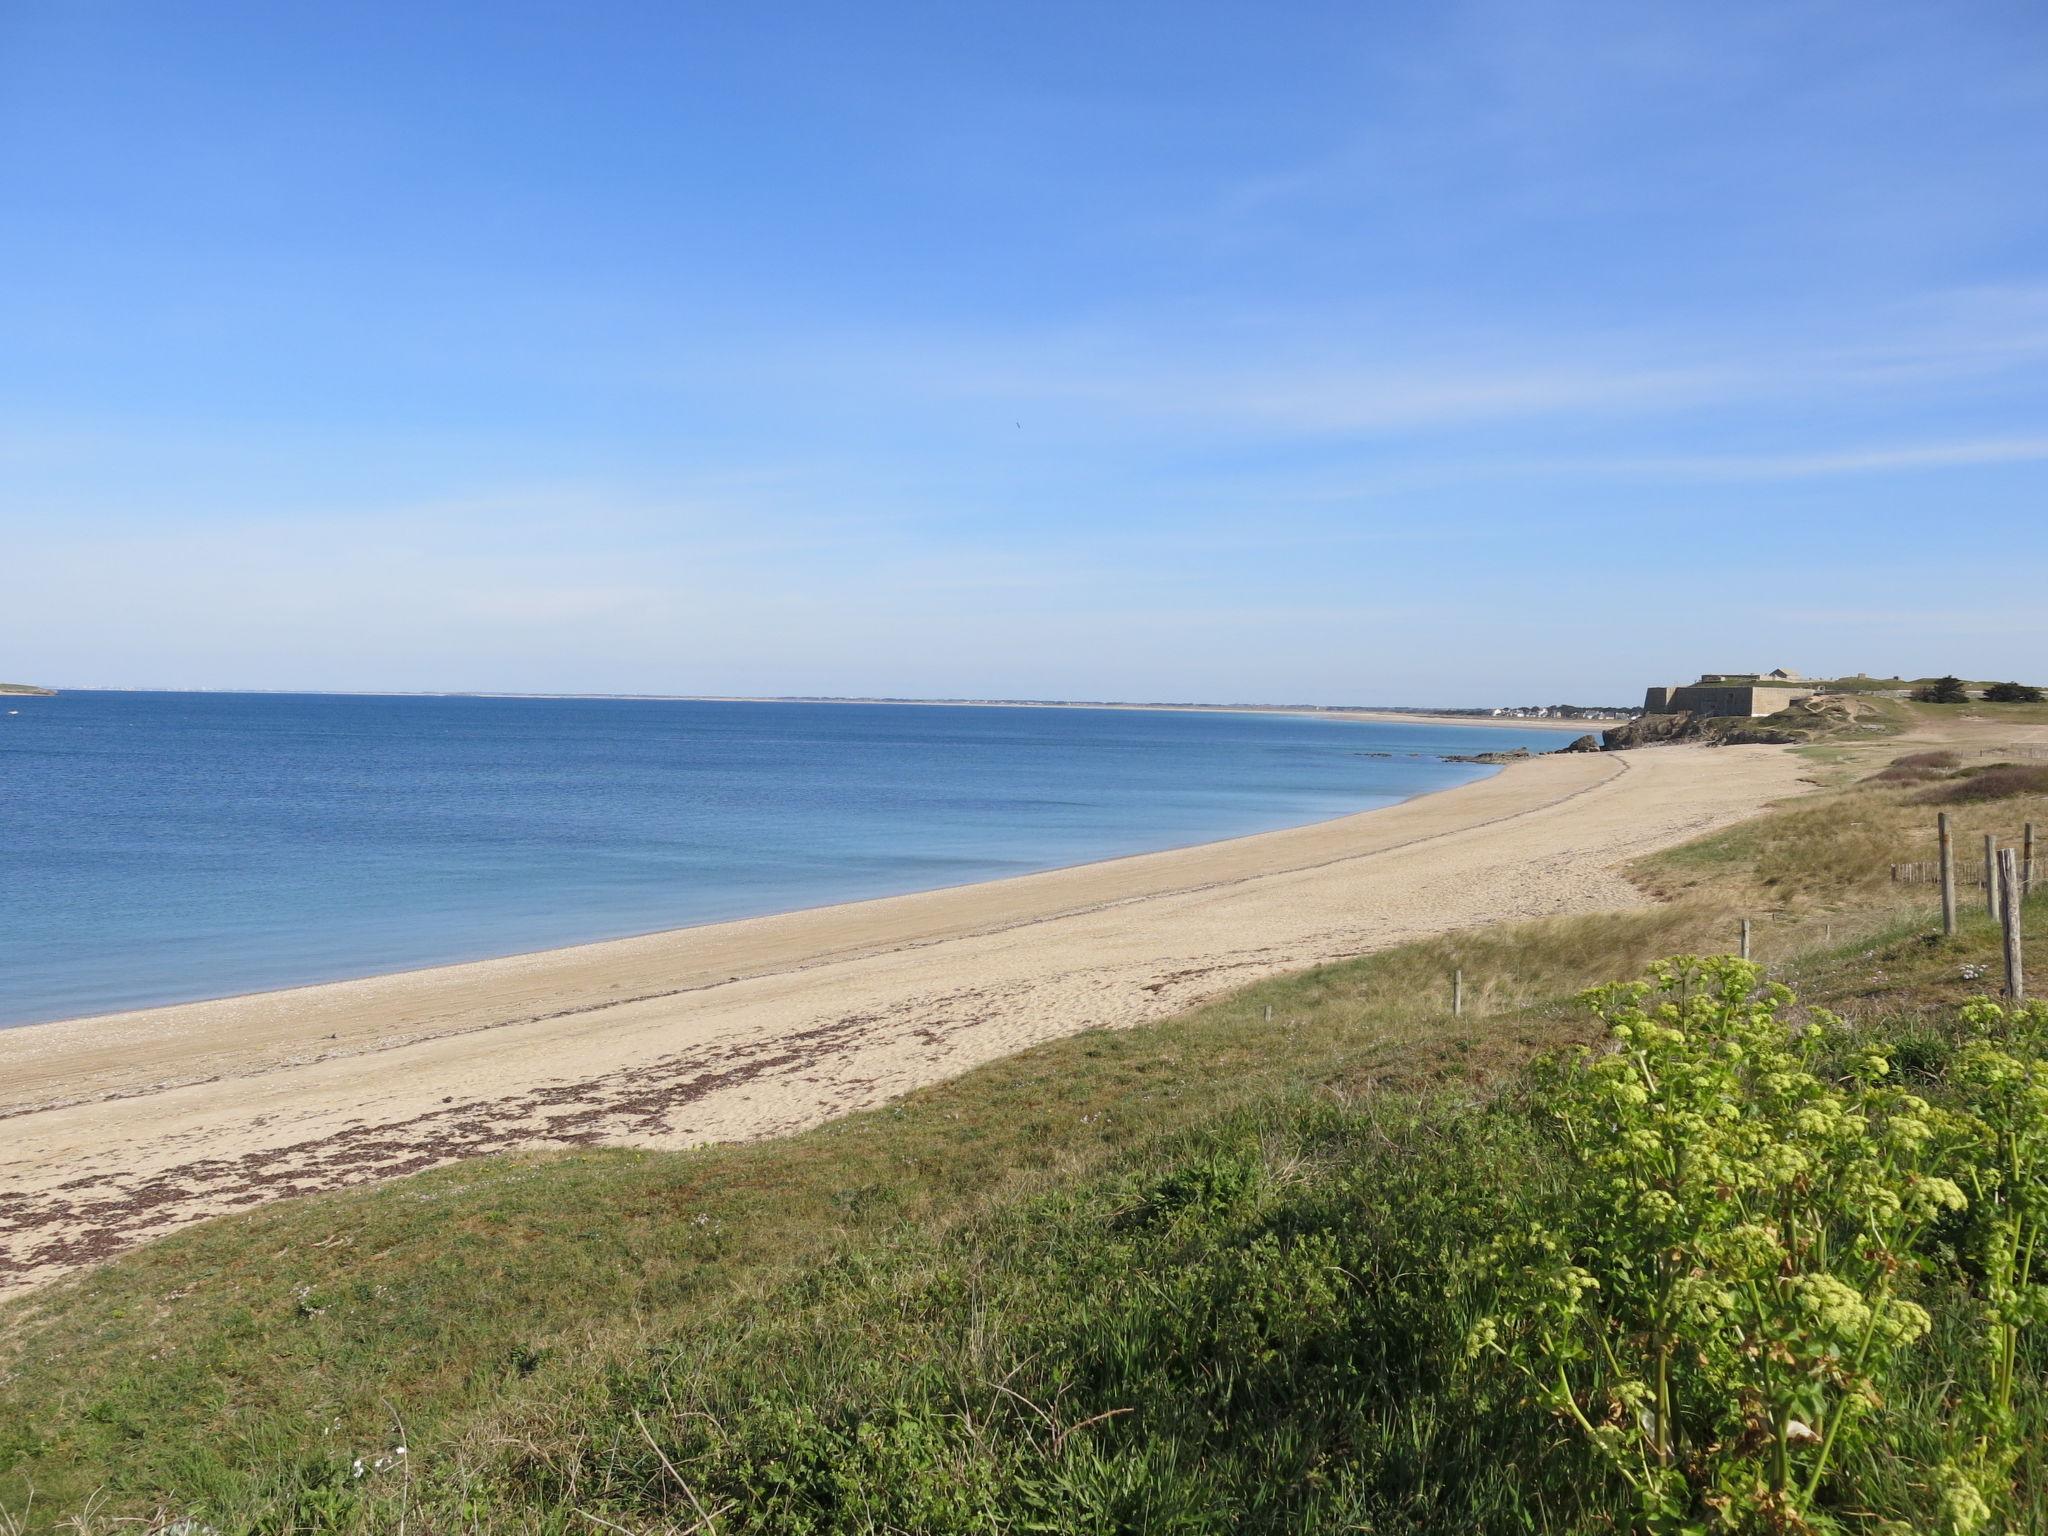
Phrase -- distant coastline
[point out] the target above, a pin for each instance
(1416, 714)
(27, 690)
(1391, 714)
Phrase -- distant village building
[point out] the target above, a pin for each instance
(1728, 693)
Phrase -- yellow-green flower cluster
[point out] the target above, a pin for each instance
(1732, 1262)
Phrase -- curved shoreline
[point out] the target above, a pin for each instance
(229, 913)
(8, 1107)
(69, 1045)
(125, 1125)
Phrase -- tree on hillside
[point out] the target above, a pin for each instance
(2012, 693)
(1943, 690)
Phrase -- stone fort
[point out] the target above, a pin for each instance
(1729, 693)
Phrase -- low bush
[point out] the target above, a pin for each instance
(1943, 690)
(2000, 781)
(1727, 1296)
(1917, 768)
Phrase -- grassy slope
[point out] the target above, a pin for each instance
(1866, 684)
(500, 1316)
(1845, 718)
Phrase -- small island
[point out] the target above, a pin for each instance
(28, 689)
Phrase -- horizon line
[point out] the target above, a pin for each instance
(809, 698)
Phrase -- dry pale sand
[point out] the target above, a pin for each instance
(123, 1127)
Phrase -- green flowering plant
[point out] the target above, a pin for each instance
(2001, 1154)
(1717, 1294)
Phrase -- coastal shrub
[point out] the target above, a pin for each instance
(2012, 693)
(1778, 1290)
(1943, 690)
(1917, 768)
(2000, 781)
(2001, 1079)
(1719, 1298)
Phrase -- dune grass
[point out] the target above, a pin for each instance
(1093, 1281)
(1260, 1324)
(1999, 781)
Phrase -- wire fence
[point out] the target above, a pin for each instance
(1928, 872)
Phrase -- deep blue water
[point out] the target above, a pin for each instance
(164, 847)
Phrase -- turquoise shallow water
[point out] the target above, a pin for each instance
(159, 848)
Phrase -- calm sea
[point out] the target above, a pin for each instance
(162, 847)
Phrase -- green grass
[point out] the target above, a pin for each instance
(1863, 684)
(1184, 1277)
(1877, 717)
(1256, 1326)
(209, 1366)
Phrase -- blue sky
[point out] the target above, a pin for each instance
(1434, 353)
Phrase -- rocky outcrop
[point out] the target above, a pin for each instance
(1519, 755)
(1586, 743)
(1655, 730)
(1808, 720)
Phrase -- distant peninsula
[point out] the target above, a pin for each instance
(29, 688)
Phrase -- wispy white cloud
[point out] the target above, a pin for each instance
(1356, 373)
(1394, 482)
(1340, 401)
(1849, 461)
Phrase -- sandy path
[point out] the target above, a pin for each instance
(120, 1128)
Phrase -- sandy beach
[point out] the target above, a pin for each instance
(124, 1127)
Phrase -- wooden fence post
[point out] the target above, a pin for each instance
(2009, 877)
(1948, 877)
(1457, 993)
(1745, 938)
(1991, 876)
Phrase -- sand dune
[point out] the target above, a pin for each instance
(120, 1128)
